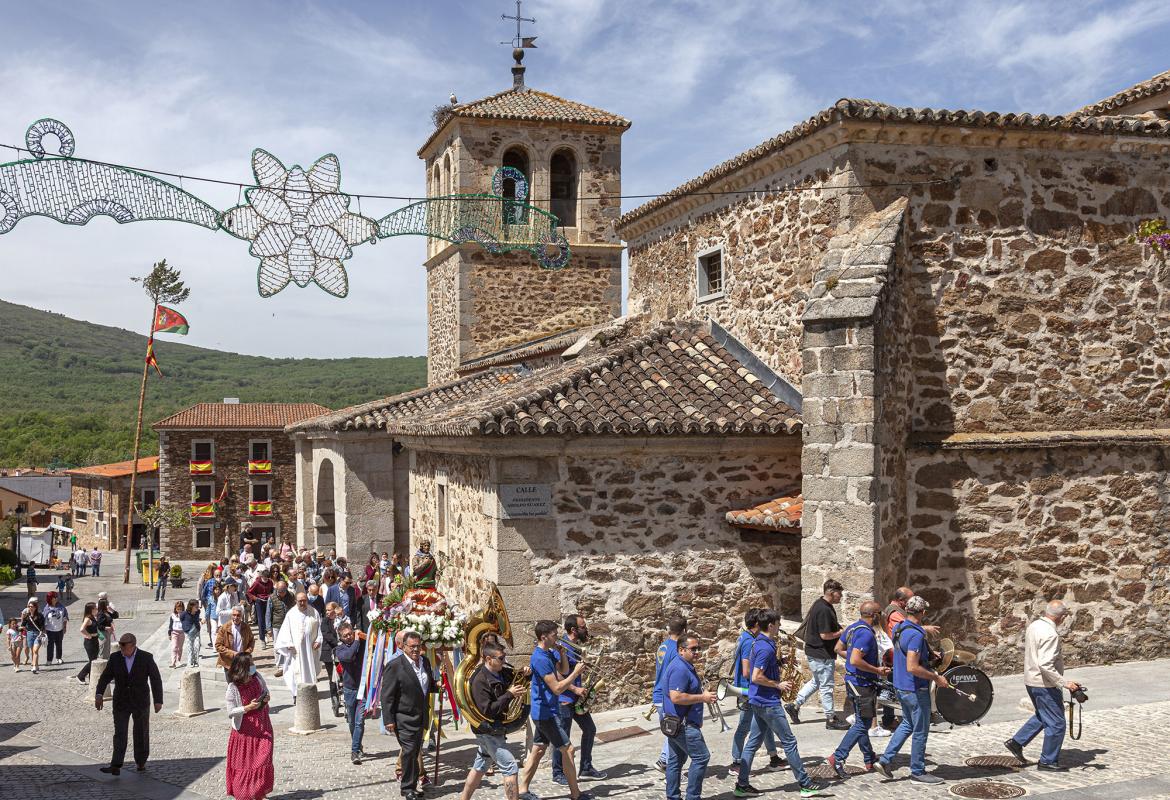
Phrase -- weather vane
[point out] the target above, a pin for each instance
(520, 41)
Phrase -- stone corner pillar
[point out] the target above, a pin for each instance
(191, 695)
(308, 711)
(95, 671)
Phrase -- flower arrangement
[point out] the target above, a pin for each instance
(424, 610)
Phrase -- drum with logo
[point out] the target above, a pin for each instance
(969, 700)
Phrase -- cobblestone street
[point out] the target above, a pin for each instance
(52, 740)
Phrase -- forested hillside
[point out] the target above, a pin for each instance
(69, 389)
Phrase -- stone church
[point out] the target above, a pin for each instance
(889, 345)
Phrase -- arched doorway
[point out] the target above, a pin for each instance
(323, 520)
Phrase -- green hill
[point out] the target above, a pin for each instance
(69, 389)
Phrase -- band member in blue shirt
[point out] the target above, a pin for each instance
(912, 679)
(676, 626)
(548, 666)
(764, 699)
(683, 696)
(576, 634)
(862, 669)
(741, 671)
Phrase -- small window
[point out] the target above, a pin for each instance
(202, 451)
(202, 538)
(515, 214)
(442, 513)
(149, 498)
(202, 492)
(80, 516)
(710, 275)
(260, 492)
(563, 185)
(260, 450)
(101, 498)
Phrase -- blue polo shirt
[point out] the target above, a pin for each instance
(573, 658)
(681, 677)
(908, 637)
(764, 657)
(742, 648)
(544, 702)
(859, 636)
(667, 653)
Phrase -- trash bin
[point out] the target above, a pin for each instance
(143, 561)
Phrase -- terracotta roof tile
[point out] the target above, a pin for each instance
(240, 416)
(1139, 91)
(869, 110)
(64, 507)
(777, 514)
(532, 105)
(118, 469)
(676, 380)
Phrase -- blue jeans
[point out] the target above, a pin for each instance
(771, 718)
(689, 745)
(355, 717)
(1049, 717)
(822, 679)
(916, 721)
(565, 718)
(748, 722)
(97, 570)
(495, 748)
(261, 618)
(160, 589)
(858, 734)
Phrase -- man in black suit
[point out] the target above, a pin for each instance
(136, 678)
(407, 683)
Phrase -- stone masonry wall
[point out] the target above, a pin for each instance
(442, 321)
(231, 464)
(996, 533)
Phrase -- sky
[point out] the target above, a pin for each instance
(192, 88)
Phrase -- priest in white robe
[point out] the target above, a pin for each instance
(298, 645)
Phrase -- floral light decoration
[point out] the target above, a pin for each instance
(299, 224)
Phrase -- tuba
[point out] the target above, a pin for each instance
(491, 621)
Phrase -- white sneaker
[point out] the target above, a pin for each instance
(879, 733)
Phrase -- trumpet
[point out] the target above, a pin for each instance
(649, 713)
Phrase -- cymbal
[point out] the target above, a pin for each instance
(947, 648)
(965, 656)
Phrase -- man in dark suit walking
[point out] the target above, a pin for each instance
(136, 678)
(407, 683)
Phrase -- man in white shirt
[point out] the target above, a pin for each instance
(298, 644)
(1043, 678)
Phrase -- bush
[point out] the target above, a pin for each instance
(8, 557)
(176, 571)
(7, 573)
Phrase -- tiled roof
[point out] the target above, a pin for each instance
(676, 380)
(534, 348)
(871, 111)
(240, 416)
(377, 414)
(532, 105)
(119, 469)
(64, 507)
(1156, 84)
(780, 513)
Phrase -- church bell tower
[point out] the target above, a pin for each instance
(482, 304)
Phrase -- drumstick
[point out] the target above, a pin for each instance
(970, 697)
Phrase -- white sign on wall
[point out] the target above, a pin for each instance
(525, 500)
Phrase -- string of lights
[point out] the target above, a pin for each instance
(411, 198)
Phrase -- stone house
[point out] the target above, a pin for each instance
(233, 465)
(947, 307)
(100, 502)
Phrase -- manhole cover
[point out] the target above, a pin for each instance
(995, 762)
(825, 773)
(628, 732)
(987, 790)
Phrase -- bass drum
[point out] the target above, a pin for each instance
(973, 704)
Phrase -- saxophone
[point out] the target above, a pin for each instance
(791, 672)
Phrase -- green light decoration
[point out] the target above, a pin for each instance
(298, 221)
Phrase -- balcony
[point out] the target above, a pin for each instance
(202, 510)
(259, 467)
(260, 508)
(201, 467)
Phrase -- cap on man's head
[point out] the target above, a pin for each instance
(917, 604)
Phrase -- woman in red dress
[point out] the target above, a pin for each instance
(249, 750)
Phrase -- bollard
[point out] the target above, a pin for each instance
(191, 695)
(95, 671)
(308, 710)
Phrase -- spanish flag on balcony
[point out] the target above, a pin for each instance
(259, 467)
(260, 509)
(202, 468)
(202, 510)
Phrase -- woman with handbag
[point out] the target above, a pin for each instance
(249, 772)
(33, 622)
(89, 639)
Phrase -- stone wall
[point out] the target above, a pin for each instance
(997, 532)
(442, 320)
(772, 244)
(231, 464)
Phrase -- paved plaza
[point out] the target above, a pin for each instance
(52, 740)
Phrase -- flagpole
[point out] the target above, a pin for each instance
(134, 464)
